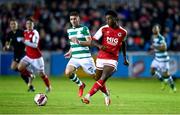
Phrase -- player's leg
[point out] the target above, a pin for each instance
(104, 89)
(38, 64)
(107, 72)
(155, 70)
(22, 68)
(167, 77)
(70, 73)
(14, 66)
(89, 67)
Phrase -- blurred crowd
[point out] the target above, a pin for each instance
(52, 20)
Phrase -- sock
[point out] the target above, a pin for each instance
(25, 78)
(25, 72)
(46, 80)
(158, 75)
(104, 90)
(97, 85)
(75, 79)
(171, 82)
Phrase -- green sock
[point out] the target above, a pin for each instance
(75, 79)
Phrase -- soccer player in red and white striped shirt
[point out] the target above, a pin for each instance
(33, 55)
(113, 40)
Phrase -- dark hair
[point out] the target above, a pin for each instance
(159, 26)
(13, 19)
(74, 13)
(29, 19)
(112, 13)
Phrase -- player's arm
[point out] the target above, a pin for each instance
(87, 36)
(126, 62)
(161, 47)
(96, 37)
(83, 43)
(68, 54)
(124, 53)
(7, 43)
(35, 40)
(98, 45)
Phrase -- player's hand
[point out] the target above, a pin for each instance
(102, 47)
(75, 40)
(67, 55)
(126, 62)
(7, 47)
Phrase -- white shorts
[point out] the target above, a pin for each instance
(100, 63)
(87, 64)
(161, 66)
(34, 65)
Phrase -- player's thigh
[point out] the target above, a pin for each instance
(24, 62)
(107, 72)
(165, 68)
(69, 70)
(72, 65)
(38, 64)
(88, 65)
(98, 74)
(14, 65)
(100, 63)
(155, 65)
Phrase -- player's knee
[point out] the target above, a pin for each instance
(68, 73)
(165, 74)
(20, 67)
(42, 74)
(13, 67)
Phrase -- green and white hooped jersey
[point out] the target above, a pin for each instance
(79, 51)
(161, 56)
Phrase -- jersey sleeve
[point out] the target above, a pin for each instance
(86, 31)
(35, 38)
(98, 34)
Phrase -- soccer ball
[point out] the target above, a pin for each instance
(40, 99)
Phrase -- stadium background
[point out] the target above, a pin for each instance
(137, 16)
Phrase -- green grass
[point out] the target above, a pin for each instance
(131, 96)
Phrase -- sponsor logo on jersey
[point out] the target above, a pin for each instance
(112, 41)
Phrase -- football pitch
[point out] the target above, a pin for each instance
(128, 96)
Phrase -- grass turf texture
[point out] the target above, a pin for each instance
(128, 96)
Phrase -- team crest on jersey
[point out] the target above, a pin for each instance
(30, 35)
(119, 34)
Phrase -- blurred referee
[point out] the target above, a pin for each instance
(14, 41)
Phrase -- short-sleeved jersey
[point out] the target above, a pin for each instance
(112, 39)
(81, 33)
(160, 55)
(16, 40)
(32, 36)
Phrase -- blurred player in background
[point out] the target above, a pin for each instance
(15, 39)
(33, 56)
(160, 64)
(113, 38)
(80, 55)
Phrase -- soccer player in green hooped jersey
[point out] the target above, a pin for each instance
(160, 64)
(79, 53)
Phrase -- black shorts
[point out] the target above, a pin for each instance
(18, 57)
